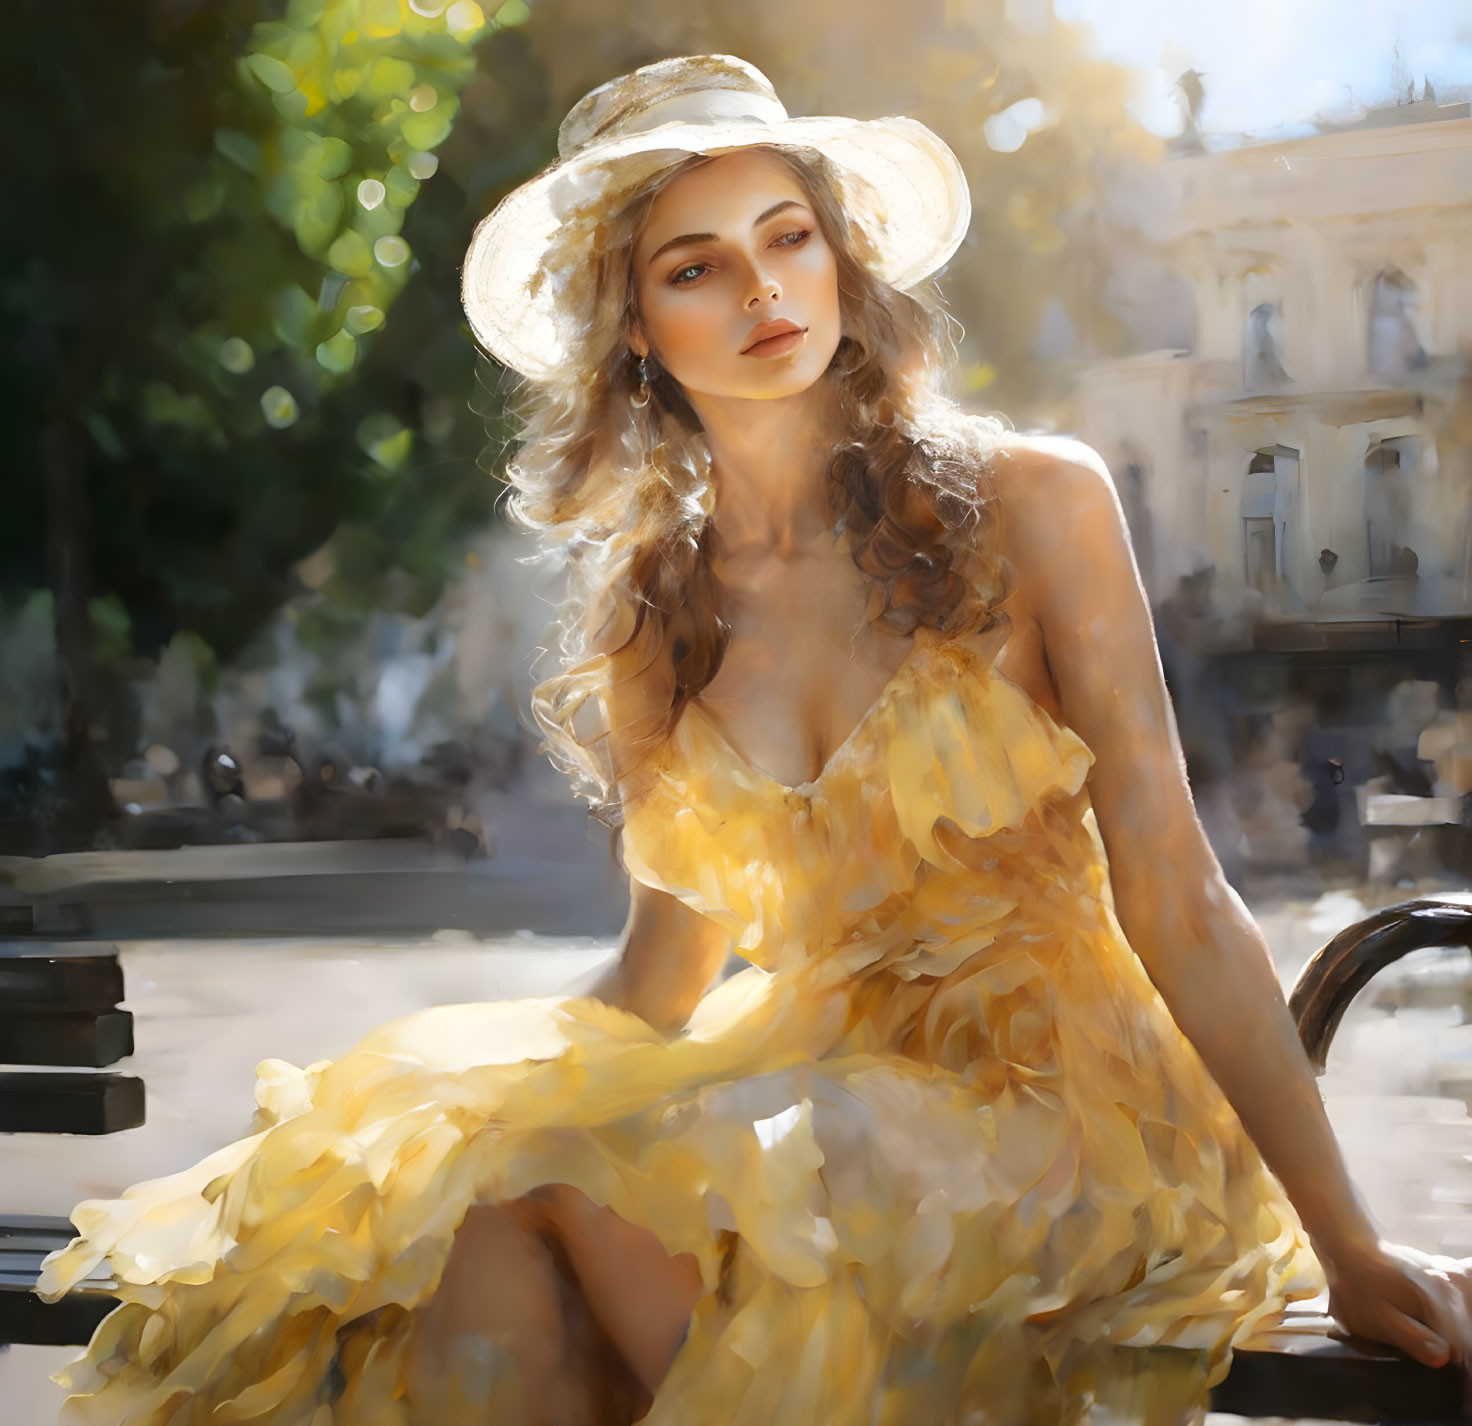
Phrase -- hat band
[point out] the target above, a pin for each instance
(701, 106)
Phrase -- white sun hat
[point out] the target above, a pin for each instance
(527, 280)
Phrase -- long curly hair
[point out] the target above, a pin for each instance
(624, 494)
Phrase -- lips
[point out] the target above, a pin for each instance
(765, 332)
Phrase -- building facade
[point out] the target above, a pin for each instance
(1313, 445)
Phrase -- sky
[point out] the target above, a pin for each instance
(1278, 62)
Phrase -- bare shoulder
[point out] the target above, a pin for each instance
(1055, 502)
(1037, 472)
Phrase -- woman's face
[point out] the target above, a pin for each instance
(736, 287)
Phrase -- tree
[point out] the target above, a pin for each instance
(213, 201)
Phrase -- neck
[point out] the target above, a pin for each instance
(769, 460)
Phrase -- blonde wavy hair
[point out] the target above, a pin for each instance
(625, 494)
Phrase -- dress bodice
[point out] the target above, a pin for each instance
(920, 830)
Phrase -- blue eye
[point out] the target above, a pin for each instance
(684, 276)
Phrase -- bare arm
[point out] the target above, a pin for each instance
(669, 954)
(1066, 535)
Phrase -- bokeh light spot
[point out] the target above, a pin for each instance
(1007, 131)
(424, 98)
(464, 18)
(365, 317)
(422, 165)
(391, 250)
(236, 355)
(279, 407)
(370, 193)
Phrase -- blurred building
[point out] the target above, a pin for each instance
(1311, 443)
(1295, 460)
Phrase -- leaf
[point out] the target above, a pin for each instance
(385, 439)
(293, 315)
(112, 628)
(338, 353)
(351, 254)
(379, 222)
(427, 131)
(317, 215)
(335, 159)
(305, 13)
(203, 199)
(292, 107)
(389, 78)
(106, 436)
(276, 76)
(164, 406)
(303, 52)
(381, 18)
(240, 149)
(401, 186)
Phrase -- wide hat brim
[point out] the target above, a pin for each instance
(900, 183)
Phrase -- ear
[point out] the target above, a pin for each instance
(638, 343)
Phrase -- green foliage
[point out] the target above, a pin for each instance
(352, 92)
(229, 274)
(112, 629)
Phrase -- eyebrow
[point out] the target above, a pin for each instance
(686, 238)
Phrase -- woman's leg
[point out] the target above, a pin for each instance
(639, 1295)
(508, 1337)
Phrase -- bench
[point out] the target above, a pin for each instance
(1307, 1367)
(59, 1006)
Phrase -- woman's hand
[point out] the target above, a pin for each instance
(1418, 1302)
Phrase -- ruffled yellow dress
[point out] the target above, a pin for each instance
(940, 1151)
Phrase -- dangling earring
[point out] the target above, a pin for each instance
(640, 399)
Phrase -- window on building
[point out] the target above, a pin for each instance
(1390, 472)
(1259, 528)
(1394, 343)
(1262, 364)
(1260, 543)
(1269, 507)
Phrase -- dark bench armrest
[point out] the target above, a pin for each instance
(1347, 963)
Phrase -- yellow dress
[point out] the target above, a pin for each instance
(940, 1151)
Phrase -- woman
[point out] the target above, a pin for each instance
(841, 660)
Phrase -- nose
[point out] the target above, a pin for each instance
(764, 288)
